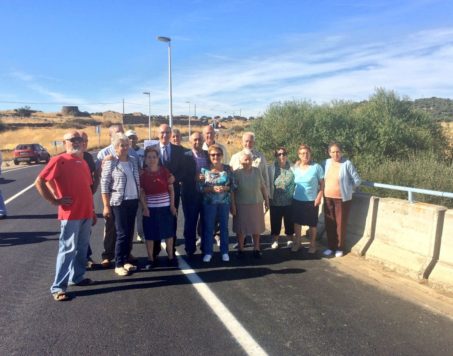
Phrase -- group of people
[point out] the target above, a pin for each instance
(141, 190)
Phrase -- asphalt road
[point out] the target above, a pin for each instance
(288, 303)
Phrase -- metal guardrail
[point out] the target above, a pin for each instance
(410, 191)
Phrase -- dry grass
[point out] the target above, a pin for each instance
(46, 136)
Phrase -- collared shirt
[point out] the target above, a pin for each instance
(162, 148)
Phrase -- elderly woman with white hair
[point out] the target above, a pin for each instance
(250, 194)
(120, 190)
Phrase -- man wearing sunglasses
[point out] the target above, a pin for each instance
(66, 182)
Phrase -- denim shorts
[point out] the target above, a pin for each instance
(159, 225)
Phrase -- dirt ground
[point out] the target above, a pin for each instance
(412, 291)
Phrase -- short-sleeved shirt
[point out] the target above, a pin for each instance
(72, 179)
(307, 182)
(155, 186)
(249, 186)
(225, 178)
(283, 186)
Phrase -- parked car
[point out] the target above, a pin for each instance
(30, 152)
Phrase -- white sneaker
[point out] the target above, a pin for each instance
(274, 245)
(327, 252)
(289, 243)
(217, 240)
(339, 253)
(207, 258)
(140, 239)
(225, 257)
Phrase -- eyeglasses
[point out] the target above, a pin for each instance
(215, 154)
(281, 154)
(74, 139)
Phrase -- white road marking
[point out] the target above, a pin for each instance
(241, 335)
(19, 194)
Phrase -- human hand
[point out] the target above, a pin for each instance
(146, 211)
(63, 201)
(107, 212)
(173, 210)
(94, 219)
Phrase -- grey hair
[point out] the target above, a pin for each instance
(119, 138)
(249, 133)
(244, 153)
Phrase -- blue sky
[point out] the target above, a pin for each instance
(228, 57)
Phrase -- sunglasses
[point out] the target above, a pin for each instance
(281, 154)
(75, 139)
(215, 154)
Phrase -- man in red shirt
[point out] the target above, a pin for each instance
(66, 181)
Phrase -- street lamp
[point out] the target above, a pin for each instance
(188, 102)
(168, 40)
(149, 113)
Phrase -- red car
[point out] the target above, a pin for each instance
(30, 152)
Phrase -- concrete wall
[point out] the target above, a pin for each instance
(442, 274)
(406, 236)
(414, 239)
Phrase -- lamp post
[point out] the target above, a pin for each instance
(149, 113)
(168, 40)
(188, 102)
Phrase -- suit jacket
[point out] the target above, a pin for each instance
(175, 164)
(189, 181)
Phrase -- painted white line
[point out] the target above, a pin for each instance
(19, 194)
(241, 335)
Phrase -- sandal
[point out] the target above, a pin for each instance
(60, 296)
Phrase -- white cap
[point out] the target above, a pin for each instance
(131, 133)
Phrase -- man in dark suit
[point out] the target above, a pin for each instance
(192, 199)
(172, 158)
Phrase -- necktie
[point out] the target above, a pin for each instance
(165, 154)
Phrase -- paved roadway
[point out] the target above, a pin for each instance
(289, 304)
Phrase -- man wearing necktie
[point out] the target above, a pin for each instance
(172, 158)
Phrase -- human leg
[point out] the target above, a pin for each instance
(209, 216)
(331, 223)
(122, 240)
(342, 213)
(82, 242)
(223, 211)
(276, 223)
(109, 239)
(66, 254)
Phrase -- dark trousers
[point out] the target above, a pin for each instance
(109, 239)
(124, 216)
(336, 213)
(192, 206)
(157, 247)
(277, 213)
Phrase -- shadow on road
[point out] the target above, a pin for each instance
(34, 216)
(6, 181)
(155, 280)
(22, 238)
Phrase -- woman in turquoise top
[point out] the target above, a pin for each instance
(281, 190)
(217, 185)
(309, 180)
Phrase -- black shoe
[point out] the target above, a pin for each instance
(256, 254)
(173, 262)
(150, 265)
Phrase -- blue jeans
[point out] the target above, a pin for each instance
(72, 253)
(2, 205)
(124, 216)
(211, 212)
(192, 207)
